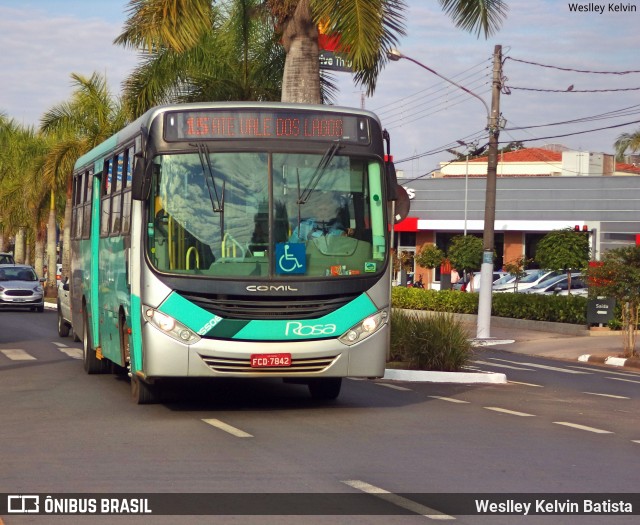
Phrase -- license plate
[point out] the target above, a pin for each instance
(270, 360)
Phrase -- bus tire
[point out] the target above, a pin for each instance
(143, 393)
(92, 365)
(325, 388)
(63, 327)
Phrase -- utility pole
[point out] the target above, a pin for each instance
(486, 272)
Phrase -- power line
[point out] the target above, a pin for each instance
(622, 112)
(579, 132)
(571, 90)
(573, 70)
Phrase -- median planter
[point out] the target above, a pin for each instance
(437, 342)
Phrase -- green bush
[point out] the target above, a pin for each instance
(438, 342)
(554, 308)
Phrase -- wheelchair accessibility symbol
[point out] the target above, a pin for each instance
(291, 258)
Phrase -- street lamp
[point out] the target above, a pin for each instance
(493, 125)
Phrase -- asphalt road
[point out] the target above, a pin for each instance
(556, 427)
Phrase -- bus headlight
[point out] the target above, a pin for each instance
(364, 328)
(169, 325)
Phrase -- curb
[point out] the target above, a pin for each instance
(426, 376)
(627, 362)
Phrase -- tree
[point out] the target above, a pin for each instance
(516, 268)
(366, 28)
(23, 197)
(430, 256)
(618, 276)
(564, 250)
(465, 253)
(88, 118)
(229, 52)
(627, 141)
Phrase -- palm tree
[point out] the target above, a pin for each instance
(23, 197)
(367, 28)
(236, 56)
(627, 142)
(88, 118)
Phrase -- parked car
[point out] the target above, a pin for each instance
(472, 282)
(6, 258)
(531, 278)
(557, 284)
(64, 308)
(20, 287)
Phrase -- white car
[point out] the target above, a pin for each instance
(531, 278)
(20, 287)
(556, 285)
(64, 308)
(474, 282)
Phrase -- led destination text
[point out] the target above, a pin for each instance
(260, 124)
(224, 127)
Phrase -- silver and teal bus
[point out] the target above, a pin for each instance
(237, 240)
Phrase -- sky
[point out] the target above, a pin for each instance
(43, 42)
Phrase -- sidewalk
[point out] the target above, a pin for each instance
(604, 348)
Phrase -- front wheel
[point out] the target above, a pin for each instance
(325, 388)
(143, 393)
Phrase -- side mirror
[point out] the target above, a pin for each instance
(391, 179)
(402, 205)
(141, 179)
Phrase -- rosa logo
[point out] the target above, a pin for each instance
(212, 322)
(297, 328)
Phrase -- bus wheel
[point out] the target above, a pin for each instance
(143, 393)
(92, 365)
(63, 328)
(325, 388)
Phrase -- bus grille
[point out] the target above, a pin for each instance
(231, 365)
(269, 308)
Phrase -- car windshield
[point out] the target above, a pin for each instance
(532, 276)
(17, 274)
(548, 282)
(256, 214)
(505, 279)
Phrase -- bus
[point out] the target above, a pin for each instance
(242, 240)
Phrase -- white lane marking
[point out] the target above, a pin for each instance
(59, 345)
(603, 371)
(582, 427)
(397, 500)
(525, 384)
(502, 366)
(511, 412)
(75, 353)
(620, 379)
(544, 367)
(606, 395)
(635, 441)
(394, 387)
(15, 354)
(449, 399)
(227, 428)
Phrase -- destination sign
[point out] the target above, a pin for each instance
(265, 124)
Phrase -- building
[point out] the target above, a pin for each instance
(538, 190)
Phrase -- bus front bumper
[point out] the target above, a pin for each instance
(228, 358)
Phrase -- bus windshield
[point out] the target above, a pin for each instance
(265, 215)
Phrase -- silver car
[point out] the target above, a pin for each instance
(20, 287)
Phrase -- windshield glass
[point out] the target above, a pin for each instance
(256, 214)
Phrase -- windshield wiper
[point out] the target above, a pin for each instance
(318, 173)
(207, 171)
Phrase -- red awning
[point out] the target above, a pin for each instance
(410, 224)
